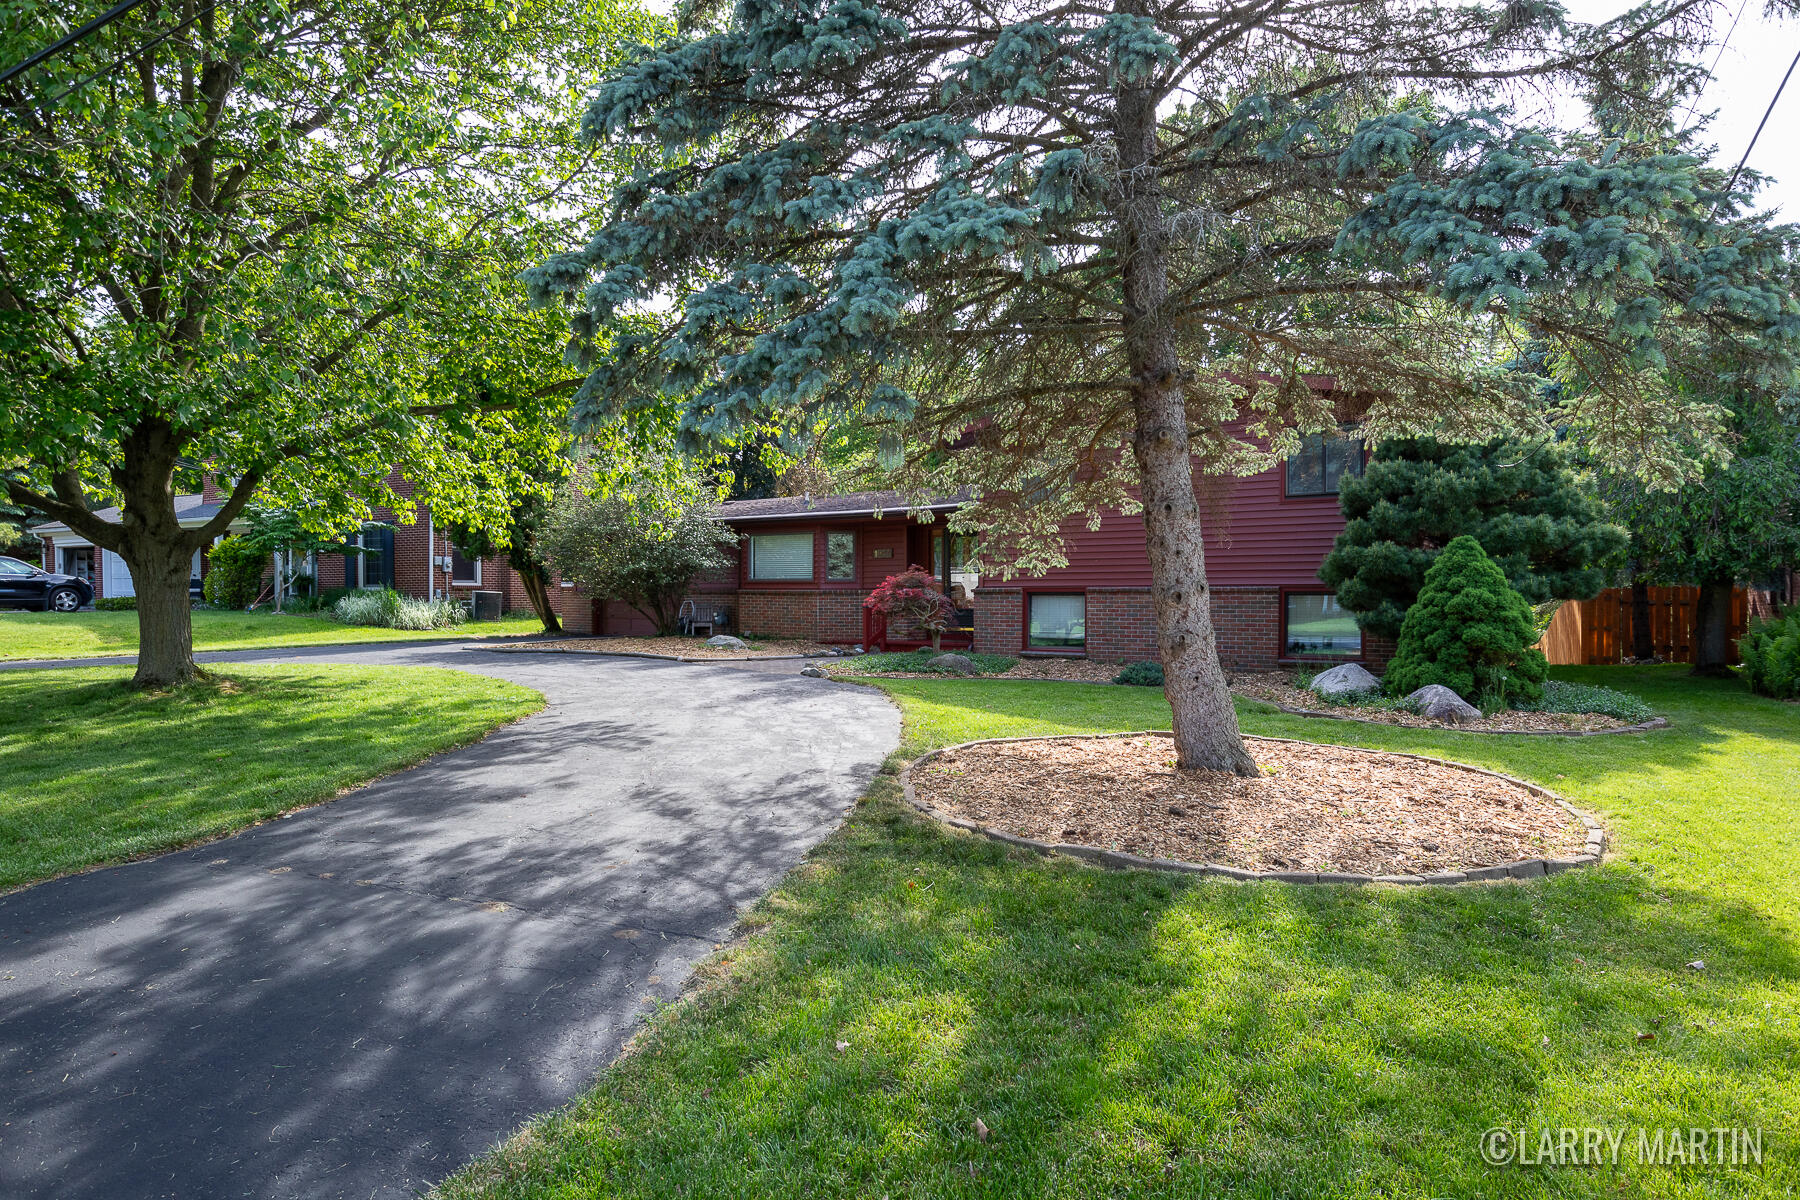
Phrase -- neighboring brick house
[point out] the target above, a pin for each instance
(804, 565)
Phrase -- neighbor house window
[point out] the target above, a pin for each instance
(1321, 461)
(464, 570)
(1057, 622)
(371, 564)
(1315, 625)
(781, 556)
(840, 556)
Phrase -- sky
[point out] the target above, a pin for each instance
(1748, 73)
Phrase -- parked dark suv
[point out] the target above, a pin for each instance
(25, 586)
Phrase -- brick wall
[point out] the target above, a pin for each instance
(999, 620)
(1121, 625)
(840, 617)
(788, 612)
(1247, 627)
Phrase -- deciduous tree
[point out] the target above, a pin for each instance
(279, 242)
(1059, 251)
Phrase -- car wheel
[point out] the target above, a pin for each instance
(65, 600)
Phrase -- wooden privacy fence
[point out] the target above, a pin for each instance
(1598, 631)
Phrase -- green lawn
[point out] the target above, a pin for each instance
(1136, 1034)
(29, 635)
(92, 771)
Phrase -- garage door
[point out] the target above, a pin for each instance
(115, 576)
(621, 620)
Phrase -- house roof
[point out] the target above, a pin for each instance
(847, 504)
(189, 511)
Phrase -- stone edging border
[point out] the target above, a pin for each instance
(1642, 727)
(1529, 868)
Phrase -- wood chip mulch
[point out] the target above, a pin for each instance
(1278, 688)
(1316, 808)
(675, 647)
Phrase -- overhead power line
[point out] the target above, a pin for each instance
(63, 43)
(1773, 101)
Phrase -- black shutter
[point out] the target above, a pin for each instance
(387, 557)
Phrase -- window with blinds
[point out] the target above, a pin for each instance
(1058, 622)
(777, 557)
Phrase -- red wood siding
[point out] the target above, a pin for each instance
(1262, 539)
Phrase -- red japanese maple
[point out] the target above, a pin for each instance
(914, 597)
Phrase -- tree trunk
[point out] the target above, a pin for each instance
(1206, 728)
(160, 573)
(537, 590)
(1643, 645)
(1712, 628)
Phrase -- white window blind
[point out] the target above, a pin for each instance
(779, 556)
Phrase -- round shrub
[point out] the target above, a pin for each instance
(1470, 631)
(1140, 674)
(234, 573)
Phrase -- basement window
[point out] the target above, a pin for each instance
(1057, 622)
(1315, 625)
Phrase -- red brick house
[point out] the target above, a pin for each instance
(803, 566)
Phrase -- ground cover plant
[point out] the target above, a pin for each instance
(95, 634)
(916, 661)
(92, 771)
(1138, 1034)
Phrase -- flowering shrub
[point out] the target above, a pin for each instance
(914, 598)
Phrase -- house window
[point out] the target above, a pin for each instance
(1316, 468)
(1057, 622)
(370, 564)
(464, 571)
(840, 556)
(1315, 625)
(776, 557)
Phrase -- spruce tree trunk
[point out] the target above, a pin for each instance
(1205, 724)
(160, 573)
(1712, 628)
(537, 590)
(1643, 645)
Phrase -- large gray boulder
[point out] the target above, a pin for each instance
(724, 641)
(954, 663)
(1349, 679)
(1438, 702)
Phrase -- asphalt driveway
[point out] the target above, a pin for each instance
(356, 1000)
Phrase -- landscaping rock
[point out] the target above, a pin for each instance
(1438, 702)
(724, 641)
(955, 663)
(1345, 680)
(815, 673)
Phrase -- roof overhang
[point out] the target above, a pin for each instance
(815, 514)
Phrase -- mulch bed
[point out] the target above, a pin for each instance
(674, 647)
(1277, 688)
(1316, 808)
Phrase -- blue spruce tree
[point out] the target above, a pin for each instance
(1060, 254)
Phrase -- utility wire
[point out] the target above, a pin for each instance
(1773, 101)
(63, 43)
(158, 40)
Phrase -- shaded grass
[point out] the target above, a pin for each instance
(29, 635)
(1136, 1034)
(92, 771)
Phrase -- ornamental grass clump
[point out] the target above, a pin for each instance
(391, 610)
(1470, 631)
